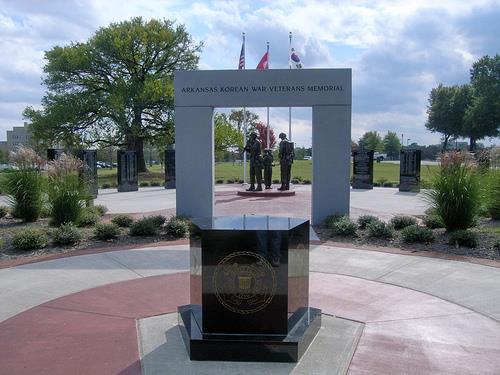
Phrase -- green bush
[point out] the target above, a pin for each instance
(496, 246)
(230, 181)
(88, 218)
(29, 239)
(388, 184)
(331, 219)
(493, 194)
(106, 231)
(380, 229)
(364, 220)
(433, 221)
(381, 181)
(158, 220)
(298, 178)
(105, 186)
(463, 238)
(306, 182)
(3, 211)
(400, 222)
(295, 181)
(144, 227)
(275, 181)
(344, 227)
(66, 234)
(219, 181)
(99, 209)
(123, 221)
(177, 227)
(24, 188)
(416, 233)
(456, 194)
(144, 184)
(155, 183)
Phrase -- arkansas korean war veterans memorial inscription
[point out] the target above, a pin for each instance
(327, 91)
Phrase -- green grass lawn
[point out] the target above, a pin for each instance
(301, 168)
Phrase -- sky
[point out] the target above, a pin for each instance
(398, 50)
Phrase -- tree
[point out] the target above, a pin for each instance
(261, 131)
(116, 88)
(482, 118)
(236, 118)
(4, 157)
(392, 145)
(371, 141)
(446, 110)
(226, 135)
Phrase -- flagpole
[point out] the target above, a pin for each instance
(244, 125)
(268, 145)
(290, 108)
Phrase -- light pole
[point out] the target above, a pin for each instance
(407, 141)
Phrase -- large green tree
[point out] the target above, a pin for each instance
(446, 110)
(371, 141)
(237, 119)
(392, 145)
(226, 135)
(482, 118)
(116, 88)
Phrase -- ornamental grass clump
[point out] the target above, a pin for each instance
(492, 194)
(416, 233)
(67, 191)
(400, 222)
(66, 234)
(344, 227)
(456, 192)
(25, 185)
(29, 239)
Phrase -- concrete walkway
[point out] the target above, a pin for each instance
(421, 315)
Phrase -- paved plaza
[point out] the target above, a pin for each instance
(114, 312)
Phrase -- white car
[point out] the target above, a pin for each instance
(308, 157)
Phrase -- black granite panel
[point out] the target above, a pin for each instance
(169, 169)
(127, 171)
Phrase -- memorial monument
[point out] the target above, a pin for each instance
(54, 153)
(127, 171)
(362, 164)
(170, 167)
(267, 160)
(253, 147)
(286, 156)
(409, 170)
(249, 279)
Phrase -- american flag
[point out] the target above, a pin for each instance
(241, 64)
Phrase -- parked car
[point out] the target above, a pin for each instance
(308, 157)
(379, 157)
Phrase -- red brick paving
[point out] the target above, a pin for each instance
(406, 332)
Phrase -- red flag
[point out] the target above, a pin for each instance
(263, 64)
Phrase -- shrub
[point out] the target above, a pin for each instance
(295, 181)
(123, 221)
(106, 186)
(155, 183)
(88, 218)
(230, 181)
(219, 181)
(99, 209)
(381, 181)
(2, 243)
(331, 219)
(493, 194)
(306, 182)
(456, 193)
(416, 233)
(3, 211)
(433, 221)
(298, 178)
(275, 181)
(29, 239)
(106, 231)
(24, 188)
(144, 184)
(400, 222)
(144, 227)
(177, 227)
(496, 246)
(364, 220)
(158, 220)
(463, 238)
(387, 184)
(67, 192)
(241, 181)
(66, 234)
(376, 184)
(344, 227)
(380, 229)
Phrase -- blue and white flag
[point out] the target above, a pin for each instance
(295, 60)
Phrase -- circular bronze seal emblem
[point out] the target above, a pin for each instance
(244, 282)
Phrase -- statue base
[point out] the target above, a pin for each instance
(267, 193)
(303, 325)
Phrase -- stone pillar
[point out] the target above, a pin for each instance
(170, 168)
(54, 153)
(362, 166)
(89, 158)
(127, 171)
(409, 170)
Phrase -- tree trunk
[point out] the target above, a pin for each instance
(445, 143)
(472, 144)
(137, 144)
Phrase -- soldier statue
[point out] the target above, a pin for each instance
(286, 156)
(268, 167)
(253, 148)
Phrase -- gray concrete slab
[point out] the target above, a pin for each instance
(144, 200)
(162, 351)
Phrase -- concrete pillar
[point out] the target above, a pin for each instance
(194, 161)
(331, 144)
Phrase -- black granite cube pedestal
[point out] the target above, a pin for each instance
(249, 290)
